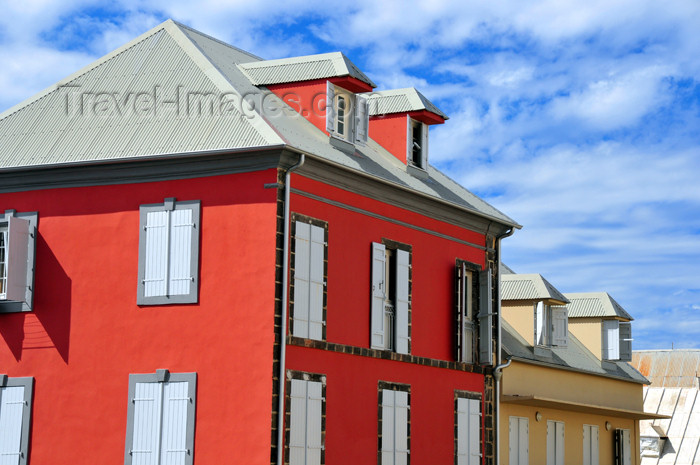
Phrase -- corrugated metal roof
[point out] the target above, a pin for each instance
(669, 368)
(400, 101)
(304, 68)
(595, 304)
(528, 287)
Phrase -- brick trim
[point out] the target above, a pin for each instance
(382, 385)
(319, 378)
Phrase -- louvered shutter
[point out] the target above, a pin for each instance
(174, 431)
(401, 427)
(424, 146)
(302, 248)
(388, 427)
(316, 285)
(181, 231)
(314, 413)
(361, 119)
(625, 332)
(330, 107)
(147, 420)
(611, 340)
(560, 326)
(485, 318)
(156, 264)
(297, 427)
(11, 415)
(402, 273)
(378, 288)
(17, 252)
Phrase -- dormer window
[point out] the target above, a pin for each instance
(551, 325)
(347, 117)
(617, 340)
(417, 144)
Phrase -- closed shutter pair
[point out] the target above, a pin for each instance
(400, 300)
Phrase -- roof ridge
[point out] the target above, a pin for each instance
(184, 26)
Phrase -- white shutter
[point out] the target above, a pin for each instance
(330, 107)
(174, 430)
(518, 445)
(388, 427)
(462, 432)
(361, 119)
(560, 326)
(156, 266)
(147, 420)
(595, 454)
(401, 427)
(297, 426)
(378, 288)
(485, 318)
(465, 317)
(611, 340)
(17, 250)
(409, 141)
(551, 443)
(626, 447)
(11, 413)
(560, 442)
(302, 247)
(474, 432)
(402, 274)
(316, 286)
(181, 230)
(314, 413)
(625, 333)
(540, 328)
(586, 445)
(423, 163)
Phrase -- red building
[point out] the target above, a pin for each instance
(194, 271)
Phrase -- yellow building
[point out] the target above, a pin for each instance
(560, 404)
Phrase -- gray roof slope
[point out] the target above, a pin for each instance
(575, 356)
(37, 131)
(399, 101)
(528, 287)
(595, 304)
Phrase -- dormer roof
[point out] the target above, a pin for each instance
(596, 305)
(401, 101)
(529, 287)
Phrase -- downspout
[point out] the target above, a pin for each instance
(498, 370)
(285, 299)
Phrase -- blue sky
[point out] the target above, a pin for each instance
(581, 120)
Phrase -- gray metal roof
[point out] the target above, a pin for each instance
(400, 101)
(304, 68)
(180, 67)
(528, 287)
(669, 368)
(575, 356)
(595, 304)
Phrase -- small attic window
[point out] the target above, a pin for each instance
(347, 115)
(417, 144)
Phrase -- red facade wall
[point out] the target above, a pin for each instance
(390, 132)
(86, 333)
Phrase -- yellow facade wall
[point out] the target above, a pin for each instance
(589, 332)
(521, 316)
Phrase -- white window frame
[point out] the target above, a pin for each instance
(308, 298)
(617, 340)
(394, 442)
(354, 118)
(307, 406)
(591, 447)
(414, 148)
(467, 332)
(15, 417)
(186, 248)
(17, 259)
(556, 442)
(518, 441)
(138, 427)
(467, 429)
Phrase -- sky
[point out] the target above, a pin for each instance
(580, 120)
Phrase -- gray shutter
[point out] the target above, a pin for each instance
(181, 230)
(297, 426)
(518, 441)
(459, 290)
(559, 426)
(611, 340)
(401, 427)
(314, 413)
(595, 454)
(551, 443)
(17, 250)
(147, 420)
(378, 288)
(388, 427)
(462, 432)
(330, 107)
(302, 247)
(586, 445)
(474, 432)
(361, 119)
(11, 413)
(316, 285)
(174, 430)
(156, 263)
(512, 441)
(560, 326)
(485, 318)
(402, 273)
(424, 146)
(626, 447)
(625, 341)
(409, 140)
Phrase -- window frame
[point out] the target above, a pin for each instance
(170, 204)
(27, 280)
(355, 115)
(383, 386)
(26, 422)
(162, 376)
(472, 398)
(464, 273)
(307, 377)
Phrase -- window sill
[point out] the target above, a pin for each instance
(11, 306)
(342, 144)
(416, 171)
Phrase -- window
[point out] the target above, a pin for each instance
(306, 424)
(623, 447)
(391, 276)
(160, 418)
(347, 117)
(15, 419)
(518, 441)
(309, 292)
(555, 442)
(417, 144)
(169, 253)
(617, 340)
(468, 342)
(468, 428)
(394, 424)
(551, 325)
(590, 445)
(17, 249)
